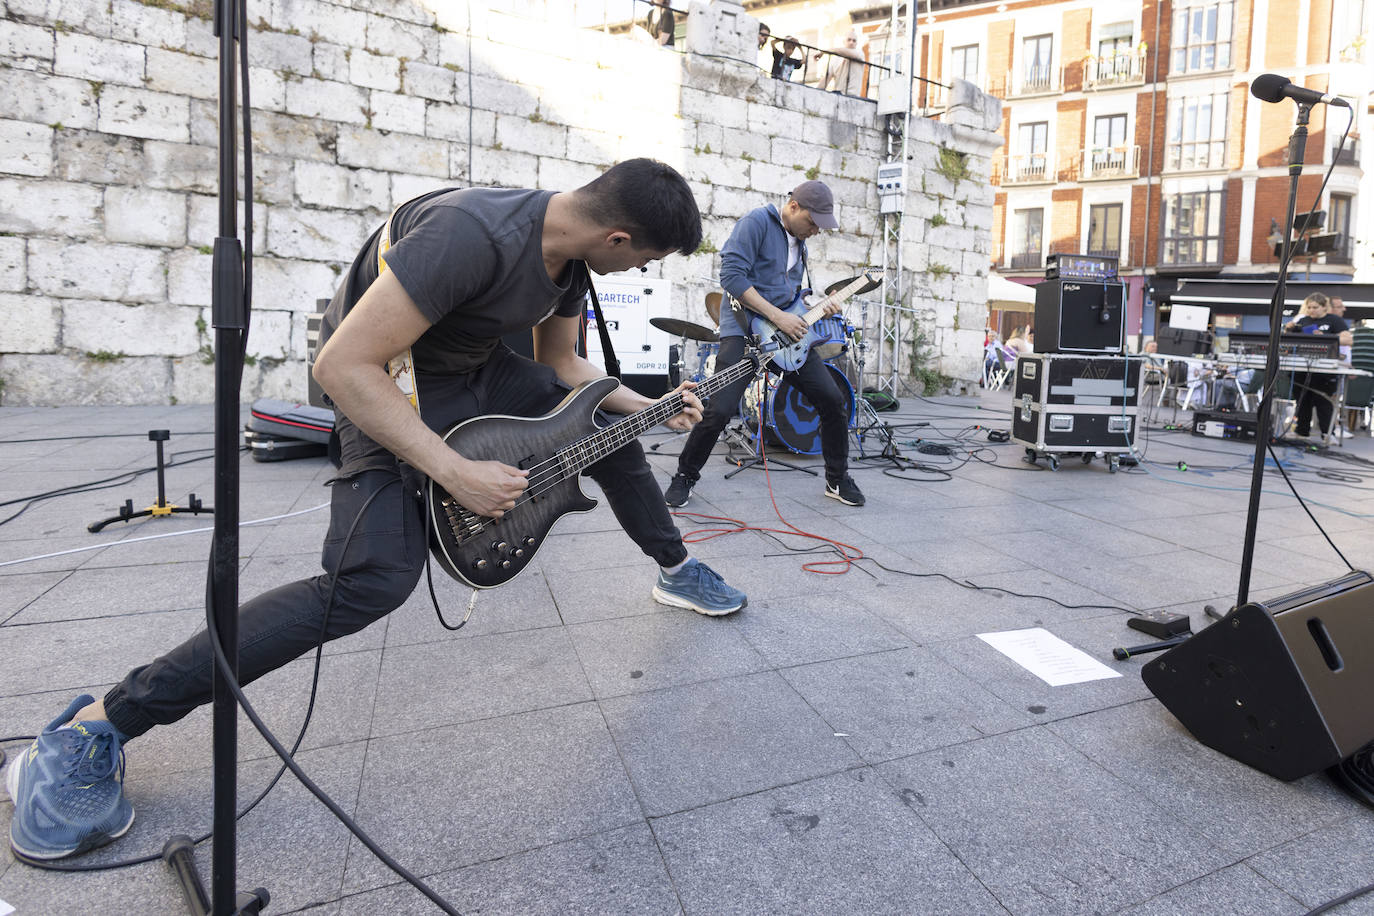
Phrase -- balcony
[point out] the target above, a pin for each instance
(1036, 168)
(1348, 156)
(1107, 163)
(1196, 156)
(1027, 260)
(1114, 72)
(1033, 81)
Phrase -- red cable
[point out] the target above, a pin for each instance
(849, 554)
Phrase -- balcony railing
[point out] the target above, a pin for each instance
(1027, 260)
(1348, 156)
(1118, 70)
(1187, 157)
(1033, 81)
(1105, 163)
(1034, 168)
(1123, 253)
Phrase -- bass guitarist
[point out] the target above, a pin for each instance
(439, 284)
(764, 263)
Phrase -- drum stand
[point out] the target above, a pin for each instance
(739, 437)
(866, 419)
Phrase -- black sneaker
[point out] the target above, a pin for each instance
(679, 491)
(845, 490)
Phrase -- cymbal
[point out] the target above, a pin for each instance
(679, 328)
(713, 306)
(868, 287)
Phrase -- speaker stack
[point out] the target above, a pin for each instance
(1080, 307)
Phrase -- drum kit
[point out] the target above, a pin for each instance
(788, 416)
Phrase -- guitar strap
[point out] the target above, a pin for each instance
(607, 351)
(400, 367)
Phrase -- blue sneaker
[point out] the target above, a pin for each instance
(699, 587)
(68, 789)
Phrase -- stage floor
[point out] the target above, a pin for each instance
(845, 744)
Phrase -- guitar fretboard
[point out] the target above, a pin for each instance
(593, 448)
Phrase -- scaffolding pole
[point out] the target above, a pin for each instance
(890, 316)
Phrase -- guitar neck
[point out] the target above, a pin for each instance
(600, 444)
(817, 311)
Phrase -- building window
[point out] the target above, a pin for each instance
(1340, 205)
(1115, 39)
(1032, 145)
(1202, 36)
(1026, 239)
(1104, 230)
(1192, 228)
(1037, 54)
(1197, 132)
(963, 63)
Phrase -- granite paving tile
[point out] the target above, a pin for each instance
(701, 743)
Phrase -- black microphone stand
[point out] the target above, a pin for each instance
(1297, 146)
(229, 311)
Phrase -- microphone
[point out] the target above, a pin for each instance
(1270, 87)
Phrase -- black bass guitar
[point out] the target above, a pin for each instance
(486, 552)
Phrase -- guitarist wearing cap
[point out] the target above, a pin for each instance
(764, 263)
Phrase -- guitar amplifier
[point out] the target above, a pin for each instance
(1080, 316)
(1066, 403)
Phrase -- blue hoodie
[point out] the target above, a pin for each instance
(756, 255)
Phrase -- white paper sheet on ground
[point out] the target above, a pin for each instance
(5, 908)
(1048, 657)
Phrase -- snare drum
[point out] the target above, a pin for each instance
(834, 333)
(789, 417)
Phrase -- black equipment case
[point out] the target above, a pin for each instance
(1069, 404)
(292, 419)
(268, 447)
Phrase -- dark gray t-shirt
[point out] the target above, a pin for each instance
(472, 261)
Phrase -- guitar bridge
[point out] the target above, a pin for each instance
(463, 523)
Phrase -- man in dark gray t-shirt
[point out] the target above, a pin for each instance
(409, 347)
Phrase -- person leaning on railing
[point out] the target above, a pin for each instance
(844, 72)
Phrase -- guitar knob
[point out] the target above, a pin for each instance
(498, 546)
(518, 552)
(505, 564)
(529, 542)
(479, 564)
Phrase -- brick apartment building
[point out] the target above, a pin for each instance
(1131, 131)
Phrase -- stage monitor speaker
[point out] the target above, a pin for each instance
(1080, 316)
(1283, 687)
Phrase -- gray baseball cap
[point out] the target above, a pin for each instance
(816, 199)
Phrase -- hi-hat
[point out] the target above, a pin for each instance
(866, 288)
(679, 328)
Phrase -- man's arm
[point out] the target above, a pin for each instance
(351, 367)
(555, 345)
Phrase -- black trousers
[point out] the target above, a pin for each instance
(373, 572)
(814, 380)
(1318, 393)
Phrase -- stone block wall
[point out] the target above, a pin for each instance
(108, 171)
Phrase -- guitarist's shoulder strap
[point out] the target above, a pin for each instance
(607, 351)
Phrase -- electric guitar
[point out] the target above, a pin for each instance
(788, 354)
(485, 552)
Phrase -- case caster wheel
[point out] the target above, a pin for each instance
(1087, 458)
(1030, 456)
(1113, 464)
(1053, 463)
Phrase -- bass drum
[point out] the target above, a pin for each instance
(790, 419)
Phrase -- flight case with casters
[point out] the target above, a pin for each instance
(1076, 406)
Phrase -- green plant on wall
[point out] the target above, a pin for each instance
(952, 164)
(922, 363)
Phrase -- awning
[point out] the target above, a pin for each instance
(1007, 296)
(1252, 297)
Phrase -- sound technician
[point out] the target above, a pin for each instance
(762, 266)
(447, 276)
